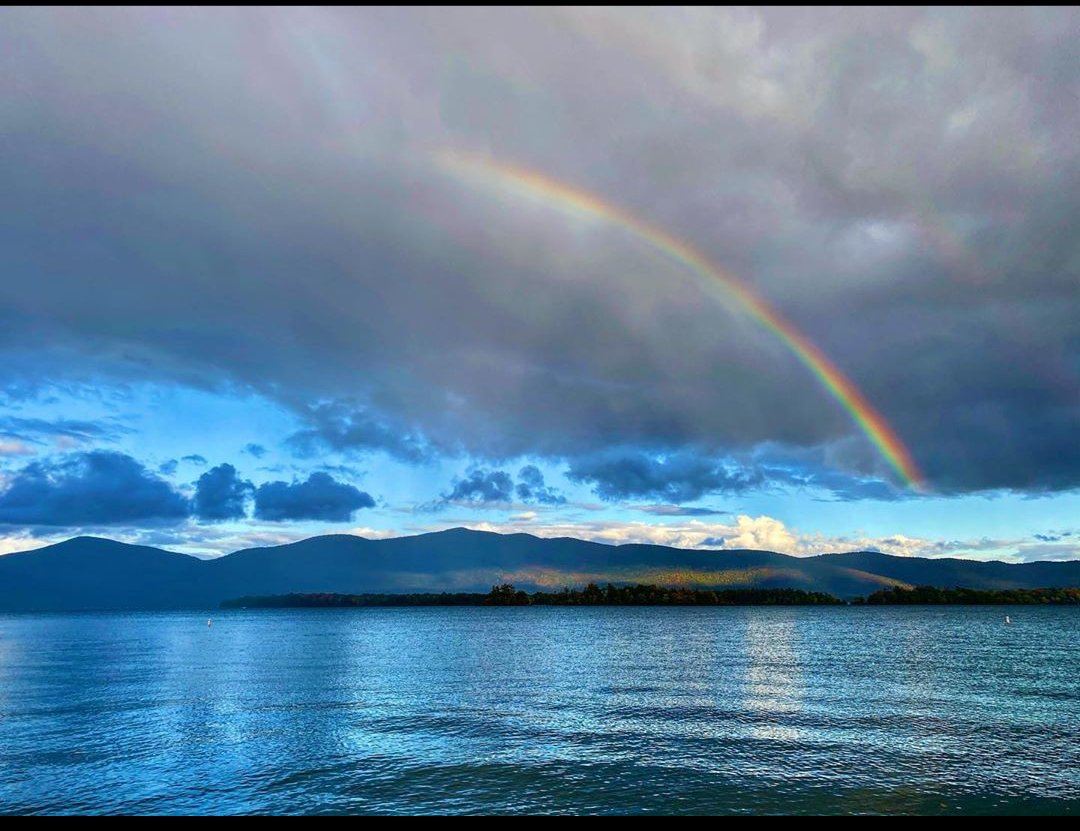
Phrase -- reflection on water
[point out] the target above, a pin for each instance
(572, 710)
(773, 685)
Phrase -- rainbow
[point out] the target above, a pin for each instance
(537, 186)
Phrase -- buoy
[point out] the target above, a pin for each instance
(1007, 619)
(210, 621)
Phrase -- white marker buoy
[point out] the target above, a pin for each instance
(210, 621)
(1007, 620)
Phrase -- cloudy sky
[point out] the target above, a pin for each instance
(272, 273)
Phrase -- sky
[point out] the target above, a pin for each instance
(805, 280)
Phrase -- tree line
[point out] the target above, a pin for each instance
(507, 595)
(649, 595)
(933, 596)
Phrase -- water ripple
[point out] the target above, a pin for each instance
(561, 711)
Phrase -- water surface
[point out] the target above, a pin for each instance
(561, 710)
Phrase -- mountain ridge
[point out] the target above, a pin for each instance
(96, 573)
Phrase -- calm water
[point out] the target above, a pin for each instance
(602, 710)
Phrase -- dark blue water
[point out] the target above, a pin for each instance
(605, 710)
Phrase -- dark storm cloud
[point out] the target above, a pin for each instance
(246, 197)
(89, 489)
(221, 494)
(532, 488)
(321, 497)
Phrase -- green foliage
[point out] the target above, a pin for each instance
(506, 595)
(645, 595)
(931, 595)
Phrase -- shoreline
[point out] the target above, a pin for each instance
(645, 595)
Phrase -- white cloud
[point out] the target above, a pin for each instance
(22, 541)
(771, 534)
(372, 533)
(762, 532)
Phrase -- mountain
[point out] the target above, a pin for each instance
(92, 573)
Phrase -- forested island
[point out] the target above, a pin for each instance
(646, 595)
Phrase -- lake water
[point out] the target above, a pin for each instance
(562, 710)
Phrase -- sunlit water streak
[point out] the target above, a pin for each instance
(603, 710)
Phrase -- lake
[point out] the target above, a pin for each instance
(553, 710)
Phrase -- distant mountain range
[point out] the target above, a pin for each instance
(92, 573)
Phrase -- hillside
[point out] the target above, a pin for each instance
(92, 573)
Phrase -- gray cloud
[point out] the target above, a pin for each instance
(1050, 552)
(678, 477)
(679, 510)
(89, 489)
(339, 425)
(532, 488)
(321, 497)
(482, 486)
(42, 429)
(496, 488)
(220, 494)
(903, 184)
